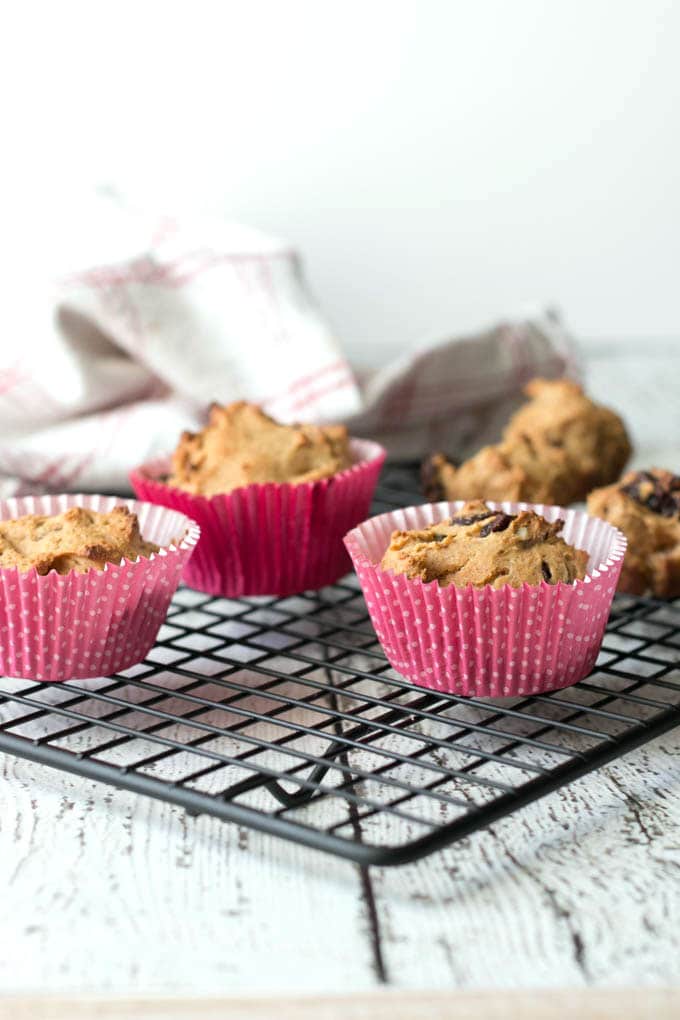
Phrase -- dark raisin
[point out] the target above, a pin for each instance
(437, 537)
(499, 523)
(545, 570)
(663, 498)
(472, 520)
(671, 505)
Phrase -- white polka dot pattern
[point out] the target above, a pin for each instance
(489, 642)
(273, 539)
(76, 626)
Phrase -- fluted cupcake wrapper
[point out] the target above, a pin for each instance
(488, 642)
(73, 626)
(272, 539)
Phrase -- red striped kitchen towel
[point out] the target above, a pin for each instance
(119, 356)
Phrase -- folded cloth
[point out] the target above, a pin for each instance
(456, 395)
(123, 354)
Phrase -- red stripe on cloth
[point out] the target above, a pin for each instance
(311, 398)
(171, 274)
(51, 472)
(212, 261)
(306, 380)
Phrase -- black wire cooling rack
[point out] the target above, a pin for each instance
(283, 714)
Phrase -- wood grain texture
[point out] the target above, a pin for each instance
(581, 886)
(109, 893)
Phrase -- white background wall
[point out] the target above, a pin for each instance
(437, 163)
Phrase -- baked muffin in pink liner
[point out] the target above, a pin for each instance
(77, 625)
(489, 642)
(276, 538)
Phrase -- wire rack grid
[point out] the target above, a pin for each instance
(283, 714)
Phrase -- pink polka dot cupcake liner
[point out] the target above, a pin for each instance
(273, 539)
(488, 642)
(73, 626)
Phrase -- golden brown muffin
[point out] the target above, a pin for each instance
(482, 547)
(78, 539)
(505, 471)
(561, 417)
(645, 506)
(241, 445)
(554, 450)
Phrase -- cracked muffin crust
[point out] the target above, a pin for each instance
(480, 546)
(555, 449)
(78, 539)
(645, 506)
(241, 445)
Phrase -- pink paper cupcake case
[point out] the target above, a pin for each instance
(273, 539)
(488, 642)
(73, 626)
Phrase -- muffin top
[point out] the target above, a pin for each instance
(480, 546)
(241, 445)
(78, 539)
(519, 470)
(555, 449)
(560, 417)
(645, 505)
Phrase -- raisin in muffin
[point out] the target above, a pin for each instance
(645, 506)
(555, 449)
(480, 546)
(241, 445)
(78, 539)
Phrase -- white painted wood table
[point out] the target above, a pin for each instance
(109, 893)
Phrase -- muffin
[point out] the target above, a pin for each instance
(85, 583)
(488, 600)
(273, 501)
(518, 470)
(480, 546)
(645, 506)
(555, 449)
(78, 539)
(241, 445)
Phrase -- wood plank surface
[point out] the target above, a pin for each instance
(110, 893)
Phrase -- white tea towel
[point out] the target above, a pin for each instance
(148, 323)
